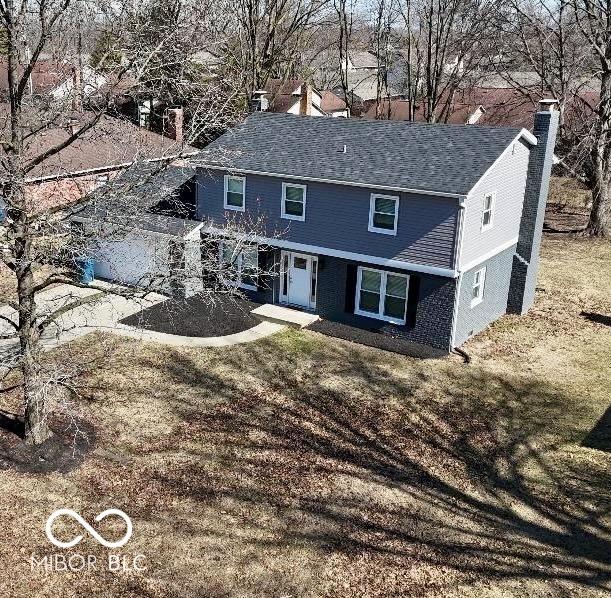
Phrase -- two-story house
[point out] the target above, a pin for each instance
(425, 231)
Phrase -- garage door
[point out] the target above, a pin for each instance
(134, 260)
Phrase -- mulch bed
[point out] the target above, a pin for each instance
(62, 452)
(376, 339)
(197, 316)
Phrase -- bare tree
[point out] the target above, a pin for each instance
(594, 21)
(267, 38)
(39, 246)
(345, 12)
(384, 20)
(447, 41)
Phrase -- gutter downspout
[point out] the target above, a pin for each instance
(458, 252)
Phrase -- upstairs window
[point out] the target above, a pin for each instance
(477, 295)
(381, 295)
(240, 266)
(487, 211)
(383, 214)
(235, 191)
(293, 201)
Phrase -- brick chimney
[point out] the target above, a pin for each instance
(526, 258)
(305, 103)
(174, 127)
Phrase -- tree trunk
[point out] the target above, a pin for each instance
(35, 419)
(599, 224)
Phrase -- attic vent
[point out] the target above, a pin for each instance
(344, 148)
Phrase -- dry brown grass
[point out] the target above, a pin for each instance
(303, 466)
(568, 205)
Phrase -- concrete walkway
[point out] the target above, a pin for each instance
(247, 336)
(102, 313)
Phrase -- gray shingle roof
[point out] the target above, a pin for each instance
(128, 199)
(401, 155)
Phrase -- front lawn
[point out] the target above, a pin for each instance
(306, 466)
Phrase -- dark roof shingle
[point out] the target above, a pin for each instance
(401, 155)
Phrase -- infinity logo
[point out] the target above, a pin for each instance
(85, 525)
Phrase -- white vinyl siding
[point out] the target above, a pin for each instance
(383, 214)
(293, 201)
(235, 192)
(479, 279)
(381, 295)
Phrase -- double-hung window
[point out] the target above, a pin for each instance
(235, 192)
(293, 201)
(381, 295)
(240, 265)
(383, 214)
(477, 295)
(487, 211)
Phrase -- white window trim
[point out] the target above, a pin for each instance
(477, 300)
(242, 179)
(283, 213)
(492, 202)
(380, 315)
(372, 202)
(239, 265)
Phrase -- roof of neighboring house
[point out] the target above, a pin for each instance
(331, 102)
(510, 79)
(282, 94)
(447, 159)
(110, 143)
(399, 109)
(363, 59)
(365, 85)
(511, 107)
(46, 75)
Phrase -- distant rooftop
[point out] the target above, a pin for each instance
(111, 142)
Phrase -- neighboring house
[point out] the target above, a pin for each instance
(91, 160)
(427, 232)
(291, 97)
(333, 105)
(358, 60)
(364, 84)
(56, 79)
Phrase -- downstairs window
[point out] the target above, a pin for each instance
(240, 265)
(381, 295)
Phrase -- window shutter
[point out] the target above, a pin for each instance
(413, 294)
(350, 287)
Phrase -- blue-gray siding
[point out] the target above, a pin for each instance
(337, 217)
(471, 320)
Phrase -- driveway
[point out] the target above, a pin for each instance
(103, 312)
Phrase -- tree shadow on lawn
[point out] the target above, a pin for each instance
(64, 451)
(395, 466)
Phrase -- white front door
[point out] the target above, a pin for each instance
(300, 279)
(299, 272)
